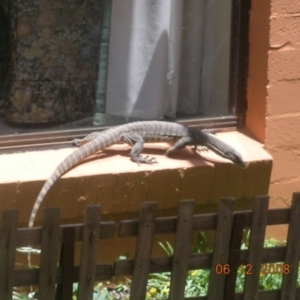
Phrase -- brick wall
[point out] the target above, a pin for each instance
(273, 114)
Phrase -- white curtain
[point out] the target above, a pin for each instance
(159, 60)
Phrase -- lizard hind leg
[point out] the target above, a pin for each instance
(137, 142)
(180, 144)
(88, 138)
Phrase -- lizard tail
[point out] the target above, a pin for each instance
(72, 160)
(224, 150)
(46, 187)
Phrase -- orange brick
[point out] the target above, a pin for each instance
(283, 131)
(285, 7)
(285, 32)
(283, 158)
(283, 97)
(284, 65)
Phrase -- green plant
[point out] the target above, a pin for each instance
(20, 296)
(197, 281)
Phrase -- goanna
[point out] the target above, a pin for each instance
(135, 134)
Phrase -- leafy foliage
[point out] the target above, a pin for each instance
(158, 286)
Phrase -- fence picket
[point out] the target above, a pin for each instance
(289, 281)
(182, 247)
(143, 250)
(90, 238)
(49, 254)
(221, 249)
(234, 255)
(8, 237)
(257, 236)
(65, 288)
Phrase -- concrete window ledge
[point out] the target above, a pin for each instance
(120, 186)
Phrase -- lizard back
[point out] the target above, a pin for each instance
(151, 131)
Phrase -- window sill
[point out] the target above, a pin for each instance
(121, 185)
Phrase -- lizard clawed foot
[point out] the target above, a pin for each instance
(201, 148)
(77, 142)
(145, 160)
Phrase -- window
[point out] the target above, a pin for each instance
(71, 67)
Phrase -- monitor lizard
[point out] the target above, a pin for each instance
(135, 134)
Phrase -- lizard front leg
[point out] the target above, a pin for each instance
(137, 142)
